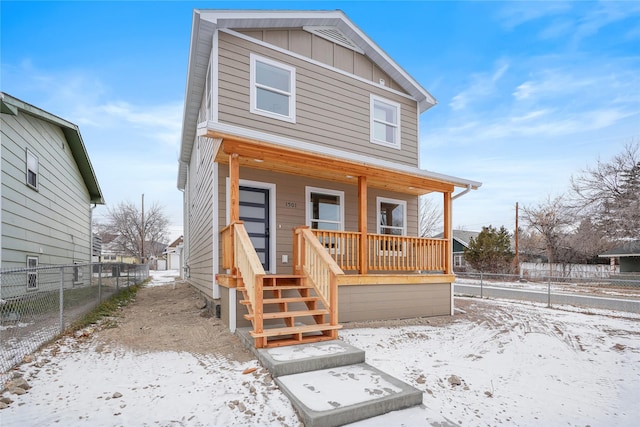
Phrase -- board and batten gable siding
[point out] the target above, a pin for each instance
(322, 50)
(200, 217)
(291, 191)
(53, 222)
(332, 108)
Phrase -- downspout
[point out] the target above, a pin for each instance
(462, 193)
(183, 271)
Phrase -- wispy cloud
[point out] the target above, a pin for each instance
(571, 22)
(480, 87)
(82, 98)
(518, 13)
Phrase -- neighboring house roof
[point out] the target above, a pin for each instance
(175, 243)
(206, 22)
(13, 106)
(462, 236)
(627, 249)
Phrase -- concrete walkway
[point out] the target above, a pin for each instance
(329, 383)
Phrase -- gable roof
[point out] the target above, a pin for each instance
(627, 249)
(462, 236)
(13, 106)
(206, 22)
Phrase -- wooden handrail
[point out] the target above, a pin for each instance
(312, 259)
(250, 271)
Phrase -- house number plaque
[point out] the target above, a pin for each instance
(290, 205)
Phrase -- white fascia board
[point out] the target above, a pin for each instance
(333, 152)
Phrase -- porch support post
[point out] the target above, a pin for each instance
(234, 187)
(362, 223)
(448, 233)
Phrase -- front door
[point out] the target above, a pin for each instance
(254, 211)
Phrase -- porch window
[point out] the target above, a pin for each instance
(325, 209)
(32, 170)
(392, 216)
(32, 273)
(273, 89)
(385, 122)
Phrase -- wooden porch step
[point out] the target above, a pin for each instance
(280, 288)
(284, 300)
(274, 279)
(284, 314)
(302, 329)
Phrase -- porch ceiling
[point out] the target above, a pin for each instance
(267, 156)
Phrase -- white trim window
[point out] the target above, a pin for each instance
(325, 209)
(32, 273)
(273, 89)
(392, 216)
(385, 122)
(32, 170)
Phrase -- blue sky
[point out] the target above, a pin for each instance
(528, 93)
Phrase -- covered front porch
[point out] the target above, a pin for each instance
(335, 274)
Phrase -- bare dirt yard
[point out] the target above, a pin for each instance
(171, 318)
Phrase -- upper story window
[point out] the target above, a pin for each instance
(273, 89)
(32, 170)
(392, 216)
(325, 209)
(385, 122)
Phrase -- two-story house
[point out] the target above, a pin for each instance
(299, 163)
(47, 189)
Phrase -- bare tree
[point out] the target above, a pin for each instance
(609, 193)
(429, 217)
(135, 237)
(552, 220)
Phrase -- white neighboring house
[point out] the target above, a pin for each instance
(173, 254)
(47, 190)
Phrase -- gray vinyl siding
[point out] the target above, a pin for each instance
(54, 222)
(200, 217)
(332, 109)
(290, 188)
(385, 302)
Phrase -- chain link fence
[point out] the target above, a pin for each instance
(38, 304)
(619, 291)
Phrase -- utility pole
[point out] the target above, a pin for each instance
(142, 232)
(517, 243)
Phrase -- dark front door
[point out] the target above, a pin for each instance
(254, 211)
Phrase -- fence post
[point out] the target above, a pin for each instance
(61, 299)
(99, 283)
(481, 285)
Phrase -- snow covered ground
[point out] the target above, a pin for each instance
(517, 364)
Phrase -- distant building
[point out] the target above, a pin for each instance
(628, 255)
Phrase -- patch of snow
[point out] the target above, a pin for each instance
(520, 364)
(304, 352)
(163, 277)
(328, 389)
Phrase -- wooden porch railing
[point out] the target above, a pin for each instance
(312, 260)
(239, 255)
(385, 252)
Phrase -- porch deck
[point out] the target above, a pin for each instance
(304, 306)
